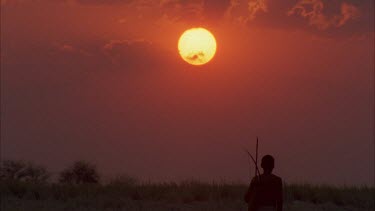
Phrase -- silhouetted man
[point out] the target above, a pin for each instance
(266, 191)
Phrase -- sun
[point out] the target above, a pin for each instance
(197, 46)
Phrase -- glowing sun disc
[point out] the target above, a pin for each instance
(197, 46)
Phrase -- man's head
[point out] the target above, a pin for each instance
(268, 163)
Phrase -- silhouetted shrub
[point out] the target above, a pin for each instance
(123, 180)
(81, 172)
(12, 170)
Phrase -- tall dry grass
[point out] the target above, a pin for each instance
(124, 193)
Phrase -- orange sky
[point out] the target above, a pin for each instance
(103, 81)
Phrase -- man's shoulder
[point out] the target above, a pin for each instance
(255, 179)
(275, 177)
(269, 177)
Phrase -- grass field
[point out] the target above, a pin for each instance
(190, 195)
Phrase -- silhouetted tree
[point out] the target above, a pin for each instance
(17, 170)
(81, 172)
(36, 174)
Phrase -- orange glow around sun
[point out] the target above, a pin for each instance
(197, 46)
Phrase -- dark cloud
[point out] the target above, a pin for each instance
(313, 11)
(84, 2)
(182, 10)
(256, 6)
(196, 57)
(101, 2)
(345, 17)
(244, 11)
(327, 18)
(70, 49)
(115, 47)
(137, 53)
(190, 11)
(215, 9)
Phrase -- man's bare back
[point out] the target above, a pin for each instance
(265, 191)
